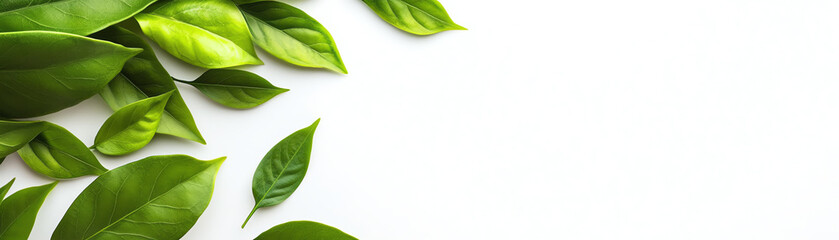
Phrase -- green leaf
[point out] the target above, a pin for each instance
(159, 197)
(80, 17)
(58, 154)
(304, 230)
(44, 72)
(18, 212)
(292, 35)
(235, 88)
(282, 170)
(132, 127)
(14, 135)
(421, 17)
(142, 77)
(204, 33)
(5, 189)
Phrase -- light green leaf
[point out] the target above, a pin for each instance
(235, 88)
(143, 76)
(14, 135)
(304, 230)
(132, 127)
(159, 197)
(204, 33)
(292, 35)
(18, 211)
(282, 170)
(421, 17)
(80, 17)
(58, 154)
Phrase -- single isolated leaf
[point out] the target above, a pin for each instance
(292, 35)
(14, 135)
(235, 88)
(421, 17)
(44, 72)
(18, 211)
(5, 189)
(143, 76)
(159, 197)
(282, 170)
(204, 33)
(304, 230)
(132, 127)
(57, 153)
(80, 17)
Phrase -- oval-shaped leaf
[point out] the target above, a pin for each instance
(5, 189)
(44, 72)
(80, 17)
(132, 127)
(159, 197)
(204, 33)
(58, 154)
(18, 212)
(143, 76)
(292, 35)
(421, 17)
(282, 170)
(14, 135)
(304, 230)
(235, 88)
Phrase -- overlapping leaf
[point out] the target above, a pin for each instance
(132, 127)
(58, 154)
(80, 17)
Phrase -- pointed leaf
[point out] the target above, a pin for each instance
(292, 35)
(235, 88)
(5, 189)
(304, 230)
(282, 170)
(44, 72)
(80, 17)
(143, 76)
(58, 154)
(217, 36)
(421, 17)
(14, 135)
(159, 197)
(132, 127)
(18, 212)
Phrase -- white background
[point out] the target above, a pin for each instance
(604, 119)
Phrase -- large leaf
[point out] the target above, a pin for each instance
(142, 77)
(304, 230)
(81, 17)
(57, 153)
(282, 170)
(204, 33)
(235, 88)
(292, 35)
(5, 189)
(14, 135)
(421, 17)
(132, 127)
(159, 197)
(44, 72)
(18, 211)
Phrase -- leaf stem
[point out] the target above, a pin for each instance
(249, 216)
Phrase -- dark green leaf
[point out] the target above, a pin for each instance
(57, 153)
(159, 197)
(235, 88)
(282, 170)
(14, 135)
(421, 17)
(132, 127)
(304, 230)
(18, 212)
(5, 189)
(80, 17)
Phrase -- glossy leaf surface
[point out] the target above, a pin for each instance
(235, 88)
(132, 127)
(204, 33)
(44, 72)
(282, 170)
(58, 154)
(143, 76)
(18, 211)
(14, 135)
(5, 189)
(159, 197)
(80, 17)
(292, 35)
(304, 230)
(421, 17)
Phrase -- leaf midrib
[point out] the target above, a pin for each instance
(283, 171)
(295, 39)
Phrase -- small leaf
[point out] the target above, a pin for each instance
(282, 170)
(18, 212)
(80, 17)
(159, 197)
(143, 76)
(5, 189)
(14, 135)
(421, 17)
(304, 230)
(132, 127)
(235, 88)
(292, 35)
(58, 154)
